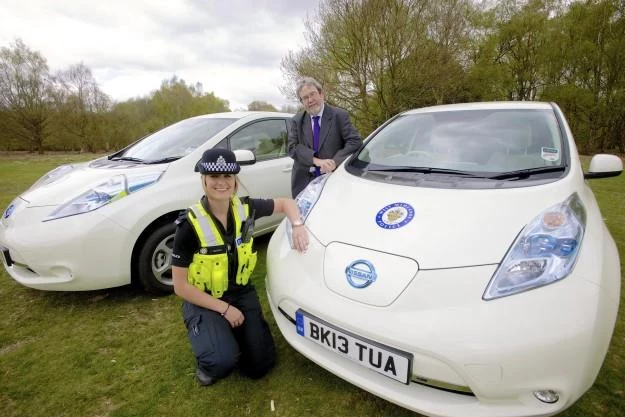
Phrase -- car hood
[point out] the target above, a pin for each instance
(79, 179)
(450, 228)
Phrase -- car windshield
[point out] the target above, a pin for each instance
(486, 144)
(175, 141)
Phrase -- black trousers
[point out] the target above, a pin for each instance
(219, 348)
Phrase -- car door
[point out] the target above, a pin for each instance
(270, 176)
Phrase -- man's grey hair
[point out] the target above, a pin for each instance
(310, 82)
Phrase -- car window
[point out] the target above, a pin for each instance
(266, 138)
(223, 144)
(487, 141)
(178, 139)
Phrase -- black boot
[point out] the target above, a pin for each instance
(203, 378)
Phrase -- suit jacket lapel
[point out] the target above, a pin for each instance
(307, 130)
(326, 123)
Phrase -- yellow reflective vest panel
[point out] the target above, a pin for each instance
(209, 270)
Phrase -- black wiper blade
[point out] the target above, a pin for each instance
(427, 170)
(128, 158)
(164, 160)
(525, 173)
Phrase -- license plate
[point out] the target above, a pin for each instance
(385, 360)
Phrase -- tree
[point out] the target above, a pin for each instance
(173, 101)
(515, 55)
(258, 105)
(27, 93)
(176, 100)
(82, 106)
(377, 58)
(128, 121)
(287, 108)
(587, 75)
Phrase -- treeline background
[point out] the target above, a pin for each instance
(375, 58)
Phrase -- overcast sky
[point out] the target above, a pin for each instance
(232, 47)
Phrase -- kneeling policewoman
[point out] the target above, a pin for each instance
(212, 263)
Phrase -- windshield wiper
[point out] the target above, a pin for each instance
(427, 170)
(525, 173)
(128, 158)
(164, 160)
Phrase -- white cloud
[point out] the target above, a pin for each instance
(232, 47)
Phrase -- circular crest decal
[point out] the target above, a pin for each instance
(395, 215)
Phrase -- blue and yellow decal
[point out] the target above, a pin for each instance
(9, 211)
(395, 215)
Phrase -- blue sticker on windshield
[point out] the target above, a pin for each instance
(550, 154)
(395, 215)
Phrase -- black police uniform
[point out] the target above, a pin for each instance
(217, 346)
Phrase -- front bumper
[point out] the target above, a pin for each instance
(78, 253)
(552, 338)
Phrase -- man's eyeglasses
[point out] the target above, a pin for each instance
(312, 94)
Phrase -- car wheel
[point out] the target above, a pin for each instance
(154, 263)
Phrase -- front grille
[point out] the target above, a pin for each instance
(7, 256)
(289, 318)
(444, 386)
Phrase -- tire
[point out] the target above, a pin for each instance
(154, 262)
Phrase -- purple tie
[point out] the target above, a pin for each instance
(316, 130)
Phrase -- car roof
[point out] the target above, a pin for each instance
(490, 105)
(243, 114)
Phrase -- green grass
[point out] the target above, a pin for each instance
(121, 352)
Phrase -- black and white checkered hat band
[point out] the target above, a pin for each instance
(220, 166)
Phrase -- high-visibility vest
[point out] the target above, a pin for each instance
(209, 269)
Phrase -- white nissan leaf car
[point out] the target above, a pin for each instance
(103, 223)
(458, 264)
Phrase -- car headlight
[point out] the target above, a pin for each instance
(544, 252)
(52, 176)
(104, 193)
(306, 201)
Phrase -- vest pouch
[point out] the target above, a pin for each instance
(199, 274)
(246, 269)
(219, 277)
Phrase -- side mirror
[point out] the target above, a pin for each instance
(604, 166)
(245, 157)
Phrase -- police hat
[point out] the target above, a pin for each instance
(218, 161)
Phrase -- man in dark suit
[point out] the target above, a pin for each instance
(320, 137)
